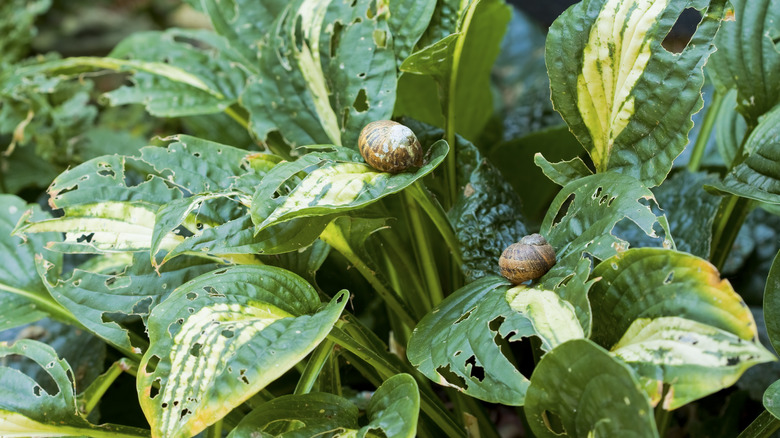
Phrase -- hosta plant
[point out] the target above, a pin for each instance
(282, 286)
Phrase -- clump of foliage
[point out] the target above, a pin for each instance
(256, 277)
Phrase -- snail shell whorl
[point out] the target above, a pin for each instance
(526, 260)
(389, 146)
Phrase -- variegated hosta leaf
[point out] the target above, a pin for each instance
(392, 412)
(26, 409)
(115, 290)
(333, 186)
(748, 58)
(327, 68)
(695, 359)
(21, 290)
(222, 337)
(220, 71)
(459, 343)
(580, 221)
(627, 99)
(655, 282)
(580, 390)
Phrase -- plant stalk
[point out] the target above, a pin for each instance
(314, 367)
(423, 251)
(732, 212)
(704, 133)
(764, 426)
(435, 211)
(92, 395)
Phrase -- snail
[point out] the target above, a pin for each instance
(389, 146)
(526, 260)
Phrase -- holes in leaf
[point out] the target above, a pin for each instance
(37, 390)
(227, 333)
(143, 306)
(335, 38)
(463, 317)
(118, 282)
(220, 272)
(371, 11)
(191, 296)
(669, 278)
(361, 101)
(184, 413)
(553, 423)
(242, 374)
(475, 371)
(597, 193)
(151, 364)
(213, 292)
(563, 210)
(680, 34)
(181, 230)
(380, 38)
(196, 154)
(106, 172)
(164, 405)
(154, 390)
(85, 238)
(452, 378)
(198, 226)
(195, 349)
(175, 327)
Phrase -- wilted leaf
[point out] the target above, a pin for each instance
(627, 99)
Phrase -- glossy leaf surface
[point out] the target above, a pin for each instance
(772, 303)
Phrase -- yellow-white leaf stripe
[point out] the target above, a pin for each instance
(553, 318)
(193, 375)
(613, 60)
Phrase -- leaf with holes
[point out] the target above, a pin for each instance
(26, 409)
(111, 293)
(748, 59)
(392, 411)
(562, 172)
(331, 186)
(21, 291)
(693, 359)
(653, 283)
(627, 99)
(327, 69)
(578, 389)
(459, 343)
(772, 303)
(222, 337)
(580, 222)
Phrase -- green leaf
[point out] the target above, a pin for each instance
(17, 27)
(408, 20)
(562, 172)
(205, 57)
(326, 70)
(222, 337)
(304, 262)
(772, 399)
(333, 186)
(392, 412)
(461, 342)
(466, 57)
(579, 390)
(627, 99)
(655, 282)
(23, 296)
(582, 216)
(730, 128)
(758, 177)
(772, 303)
(748, 59)
(694, 359)
(110, 294)
(26, 409)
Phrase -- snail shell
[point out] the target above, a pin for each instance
(526, 260)
(389, 146)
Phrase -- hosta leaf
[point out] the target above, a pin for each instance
(332, 187)
(730, 128)
(408, 20)
(26, 409)
(772, 303)
(106, 296)
(562, 172)
(202, 54)
(21, 290)
(772, 399)
(326, 69)
(578, 390)
(17, 27)
(460, 342)
(461, 63)
(758, 177)
(748, 59)
(392, 412)
(627, 99)
(222, 337)
(655, 282)
(695, 359)
(583, 214)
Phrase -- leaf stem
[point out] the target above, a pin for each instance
(423, 251)
(435, 211)
(704, 133)
(215, 430)
(234, 114)
(314, 367)
(92, 395)
(731, 214)
(763, 426)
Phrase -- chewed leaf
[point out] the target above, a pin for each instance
(627, 99)
(653, 283)
(695, 359)
(332, 187)
(222, 337)
(748, 59)
(458, 343)
(580, 390)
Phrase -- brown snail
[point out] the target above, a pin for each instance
(528, 259)
(389, 146)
